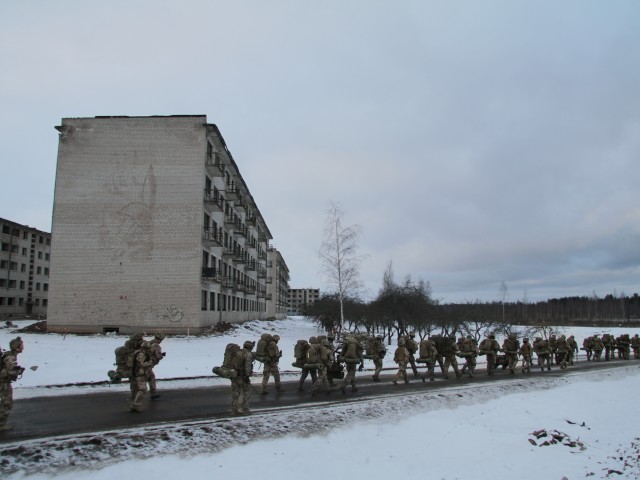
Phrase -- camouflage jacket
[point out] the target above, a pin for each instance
(273, 353)
(156, 352)
(142, 364)
(401, 355)
(9, 368)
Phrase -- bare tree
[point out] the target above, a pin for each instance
(504, 293)
(340, 261)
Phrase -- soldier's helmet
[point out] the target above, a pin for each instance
(512, 335)
(469, 337)
(276, 338)
(412, 334)
(313, 340)
(145, 344)
(15, 344)
(380, 337)
(562, 337)
(401, 342)
(136, 337)
(248, 345)
(159, 336)
(452, 336)
(538, 338)
(491, 335)
(525, 339)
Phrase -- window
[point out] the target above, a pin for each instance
(20, 301)
(2, 300)
(45, 287)
(48, 242)
(45, 302)
(38, 286)
(22, 284)
(47, 256)
(39, 271)
(12, 284)
(37, 302)
(41, 240)
(11, 301)
(4, 247)
(3, 283)
(25, 236)
(6, 229)
(212, 301)
(39, 255)
(13, 266)
(4, 264)
(203, 302)
(23, 267)
(24, 252)
(46, 272)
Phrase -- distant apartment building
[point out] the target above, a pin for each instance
(154, 229)
(277, 284)
(24, 270)
(300, 298)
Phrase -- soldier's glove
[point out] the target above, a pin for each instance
(164, 354)
(361, 367)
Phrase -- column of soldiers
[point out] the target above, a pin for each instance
(320, 359)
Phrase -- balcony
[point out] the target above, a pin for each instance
(214, 164)
(232, 191)
(214, 200)
(251, 265)
(241, 230)
(269, 280)
(211, 238)
(211, 275)
(251, 220)
(262, 273)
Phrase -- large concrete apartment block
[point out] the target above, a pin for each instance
(24, 271)
(154, 229)
(300, 298)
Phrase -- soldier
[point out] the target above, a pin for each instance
(562, 351)
(623, 346)
(587, 346)
(543, 352)
(598, 346)
(573, 347)
(379, 351)
(609, 343)
(635, 344)
(526, 351)
(271, 359)
(241, 383)
(490, 347)
(510, 346)
(10, 371)
(326, 359)
(140, 376)
(449, 354)
(469, 351)
(412, 347)
(351, 355)
(429, 354)
(306, 371)
(332, 352)
(401, 357)
(156, 355)
(553, 348)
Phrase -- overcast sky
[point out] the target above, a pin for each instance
(474, 142)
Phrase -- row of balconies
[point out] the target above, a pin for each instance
(234, 284)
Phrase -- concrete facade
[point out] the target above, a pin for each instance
(154, 229)
(24, 271)
(277, 284)
(299, 298)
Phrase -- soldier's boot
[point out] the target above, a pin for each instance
(424, 378)
(279, 388)
(343, 389)
(264, 391)
(301, 386)
(354, 388)
(155, 396)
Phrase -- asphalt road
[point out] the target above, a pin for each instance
(44, 417)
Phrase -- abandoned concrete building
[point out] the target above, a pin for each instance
(154, 229)
(24, 271)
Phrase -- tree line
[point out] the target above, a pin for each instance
(400, 308)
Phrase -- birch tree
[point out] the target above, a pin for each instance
(339, 256)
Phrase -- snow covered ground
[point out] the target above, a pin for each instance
(586, 423)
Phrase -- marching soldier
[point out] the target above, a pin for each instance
(10, 371)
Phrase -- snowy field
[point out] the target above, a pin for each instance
(585, 424)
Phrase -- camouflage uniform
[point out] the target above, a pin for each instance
(469, 351)
(635, 345)
(449, 353)
(526, 351)
(587, 345)
(140, 376)
(510, 346)
(609, 343)
(598, 346)
(156, 356)
(412, 346)
(379, 351)
(429, 354)
(240, 384)
(350, 363)
(306, 371)
(490, 347)
(326, 359)
(10, 371)
(401, 357)
(623, 346)
(271, 360)
(543, 352)
(553, 348)
(562, 351)
(573, 347)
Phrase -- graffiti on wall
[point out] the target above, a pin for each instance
(128, 231)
